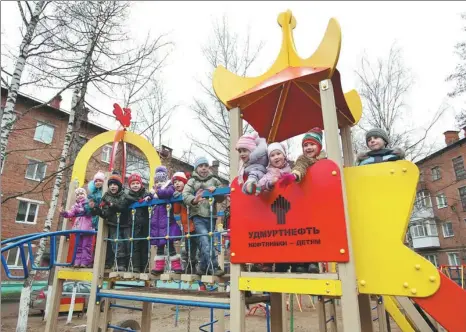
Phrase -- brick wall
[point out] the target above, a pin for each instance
(453, 212)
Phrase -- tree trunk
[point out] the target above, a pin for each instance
(26, 291)
(9, 116)
(77, 108)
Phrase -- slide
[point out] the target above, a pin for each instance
(447, 306)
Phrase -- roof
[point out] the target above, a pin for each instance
(442, 151)
(40, 102)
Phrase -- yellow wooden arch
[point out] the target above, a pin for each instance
(85, 154)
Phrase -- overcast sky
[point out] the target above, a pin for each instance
(426, 32)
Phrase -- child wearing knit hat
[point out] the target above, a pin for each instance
(114, 210)
(200, 211)
(95, 193)
(312, 146)
(188, 255)
(277, 168)
(253, 161)
(82, 222)
(377, 141)
(163, 224)
(136, 193)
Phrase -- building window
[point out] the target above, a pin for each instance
(44, 133)
(441, 201)
(458, 166)
(27, 212)
(447, 229)
(423, 199)
(13, 258)
(106, 154)
(454, 259)
(462, 191)
(436, 173)
(426, 228)
(432, 258)
(35, 170)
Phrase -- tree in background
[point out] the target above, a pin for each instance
(224, 47)
(459, 76)
(384, 85)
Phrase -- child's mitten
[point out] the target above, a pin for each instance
(249, 187)
(286, 180)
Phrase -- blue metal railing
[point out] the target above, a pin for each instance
(22, 240)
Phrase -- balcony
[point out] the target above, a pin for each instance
(426, 242)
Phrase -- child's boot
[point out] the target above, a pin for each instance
(175, 262)
(159, 267)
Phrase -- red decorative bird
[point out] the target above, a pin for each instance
(122, 115)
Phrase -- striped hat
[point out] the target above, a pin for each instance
(115, 178)
(315, 136)
(180, 176)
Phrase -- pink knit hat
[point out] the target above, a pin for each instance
(99, 176)
(248, 142)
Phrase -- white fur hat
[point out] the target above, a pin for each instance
(276, 146)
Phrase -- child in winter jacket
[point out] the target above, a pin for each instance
(253, 161)
(179, 180)
(163, 223)
(377, 141)
(277, 168)
(114, 210)
(95, 193)
(312, 146)
(140, 216)
(83, 222)
(200, 211)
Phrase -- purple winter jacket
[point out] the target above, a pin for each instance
(83, 216)
(158, 223)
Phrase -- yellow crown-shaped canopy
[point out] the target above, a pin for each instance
(289, 87)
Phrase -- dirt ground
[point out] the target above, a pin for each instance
(163, 319)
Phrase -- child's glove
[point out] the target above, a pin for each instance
(286, 180)
(249, 187)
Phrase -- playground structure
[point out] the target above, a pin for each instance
(334, 215)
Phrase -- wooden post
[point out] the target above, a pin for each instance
(57, 287)
(413, 315)
(347, 271)
(107, 314)
(237, 302)
(333, 313)
(277, 312)
(321, 314)
(381, 315)
(93, 308)
(146, 314)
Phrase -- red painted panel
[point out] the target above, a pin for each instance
(67, 300)
(447, 306)
(303, 222)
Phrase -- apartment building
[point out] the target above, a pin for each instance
(33, 151)
(437, 227)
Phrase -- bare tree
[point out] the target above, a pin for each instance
(154, 114)
(8, 116)
(237, 55)
(384, 85)
(95, 57)
(459, 76)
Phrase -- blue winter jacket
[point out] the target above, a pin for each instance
(380, 156)
(96, 195)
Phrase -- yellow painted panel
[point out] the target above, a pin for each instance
(85, 154)
(380, 201)
(353, 100)
(228, 85)
(292, 286)
(392, 308)
(75, 275)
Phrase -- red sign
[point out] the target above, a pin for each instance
(303, 222)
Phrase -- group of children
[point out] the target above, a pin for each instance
(261, 168)
(113, 207)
